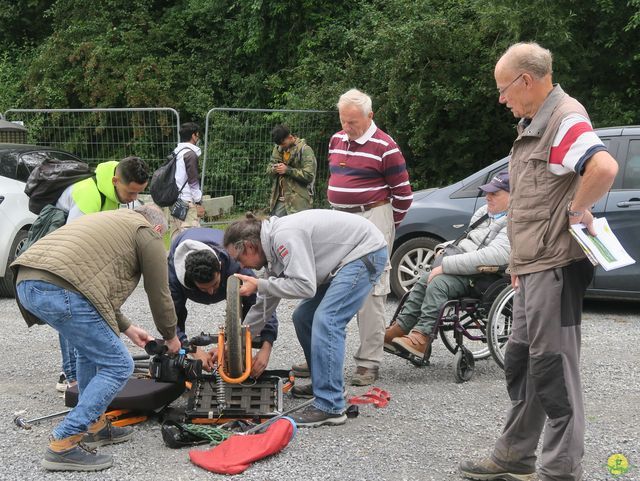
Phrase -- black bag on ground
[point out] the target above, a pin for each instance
(48, 180)
(163, 189)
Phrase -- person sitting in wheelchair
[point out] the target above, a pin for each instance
(454, 272)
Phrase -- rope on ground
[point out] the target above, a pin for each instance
(213, 434)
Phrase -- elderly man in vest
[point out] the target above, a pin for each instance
(559, 168)
(76, 279)
(486, 243)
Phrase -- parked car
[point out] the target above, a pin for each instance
(442, 214)
(16, 162)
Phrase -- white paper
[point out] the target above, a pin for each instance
(605, 248)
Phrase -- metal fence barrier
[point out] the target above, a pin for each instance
(237, 142)
(98, 135)
(238, 150)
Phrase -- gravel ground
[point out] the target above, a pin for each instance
(429, 426)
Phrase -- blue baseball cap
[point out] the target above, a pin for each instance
(500, 181)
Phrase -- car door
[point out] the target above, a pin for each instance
(622, 210)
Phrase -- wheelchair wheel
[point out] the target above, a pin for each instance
(499, 324)
(479, 349)
(233, 329)
(464, 365)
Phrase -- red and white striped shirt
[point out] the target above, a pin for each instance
(368, 170)
(574, 144)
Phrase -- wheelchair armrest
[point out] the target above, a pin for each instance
(492, 269)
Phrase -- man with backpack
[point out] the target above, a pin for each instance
(187, 180)
(114, 183)
(293, 168)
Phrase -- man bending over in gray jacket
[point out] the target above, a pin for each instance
(486, 244)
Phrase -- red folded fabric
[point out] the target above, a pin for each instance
(235, 454)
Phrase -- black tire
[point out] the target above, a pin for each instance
(409, 262)
(464, 365)
(479, 349)
(233, 329)
(6, 282)
(499, 324)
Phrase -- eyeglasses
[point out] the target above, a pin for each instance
(504, 89)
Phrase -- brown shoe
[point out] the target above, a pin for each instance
(390, 333)
(364, 376)
(415, 343)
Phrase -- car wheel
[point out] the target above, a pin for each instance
(409, 262)
(6, 282)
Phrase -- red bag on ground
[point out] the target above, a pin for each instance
(235, 454)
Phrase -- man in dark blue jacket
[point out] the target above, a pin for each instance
(198, 270)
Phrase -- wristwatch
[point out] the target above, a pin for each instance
(574, 213)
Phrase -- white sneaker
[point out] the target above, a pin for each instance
(61, 385)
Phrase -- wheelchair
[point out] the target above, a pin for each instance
(471, 328)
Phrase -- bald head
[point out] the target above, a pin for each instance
(527, 57)
(523, 78)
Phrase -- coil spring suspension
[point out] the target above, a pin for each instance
(221, 394)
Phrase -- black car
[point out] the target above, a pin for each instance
(442, 214)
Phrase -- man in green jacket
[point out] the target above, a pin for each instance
(293, 168)
(115, 183)
(76, 280)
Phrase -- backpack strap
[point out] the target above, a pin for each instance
(103, 197)
(470, 228)
(176, 159)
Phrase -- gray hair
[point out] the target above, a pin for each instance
(154, 216)
(357, 98)
(247, 229)
(529, 57)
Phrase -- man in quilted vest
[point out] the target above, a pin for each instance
(457, 275)
(76, 279)
(558, 169)
(115, 183)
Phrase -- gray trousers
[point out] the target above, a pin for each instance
(543, 377)
(421, 308)
(371, 317)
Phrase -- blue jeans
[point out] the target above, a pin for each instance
(103, 362)
(68, 359)
(321, 323)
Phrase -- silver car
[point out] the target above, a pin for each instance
(442, 214)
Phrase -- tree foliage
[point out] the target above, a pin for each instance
(428, 64)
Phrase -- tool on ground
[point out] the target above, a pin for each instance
(23, 423)
(376, 396)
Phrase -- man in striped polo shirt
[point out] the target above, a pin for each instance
(368, 177)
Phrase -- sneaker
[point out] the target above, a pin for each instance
(304, 391)
(74, 456)
(312, 417)
(364, 376)
(301, 370)
(61, 385)
(487, 469)
(109, 434)
(415, 343)
(390, 333)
